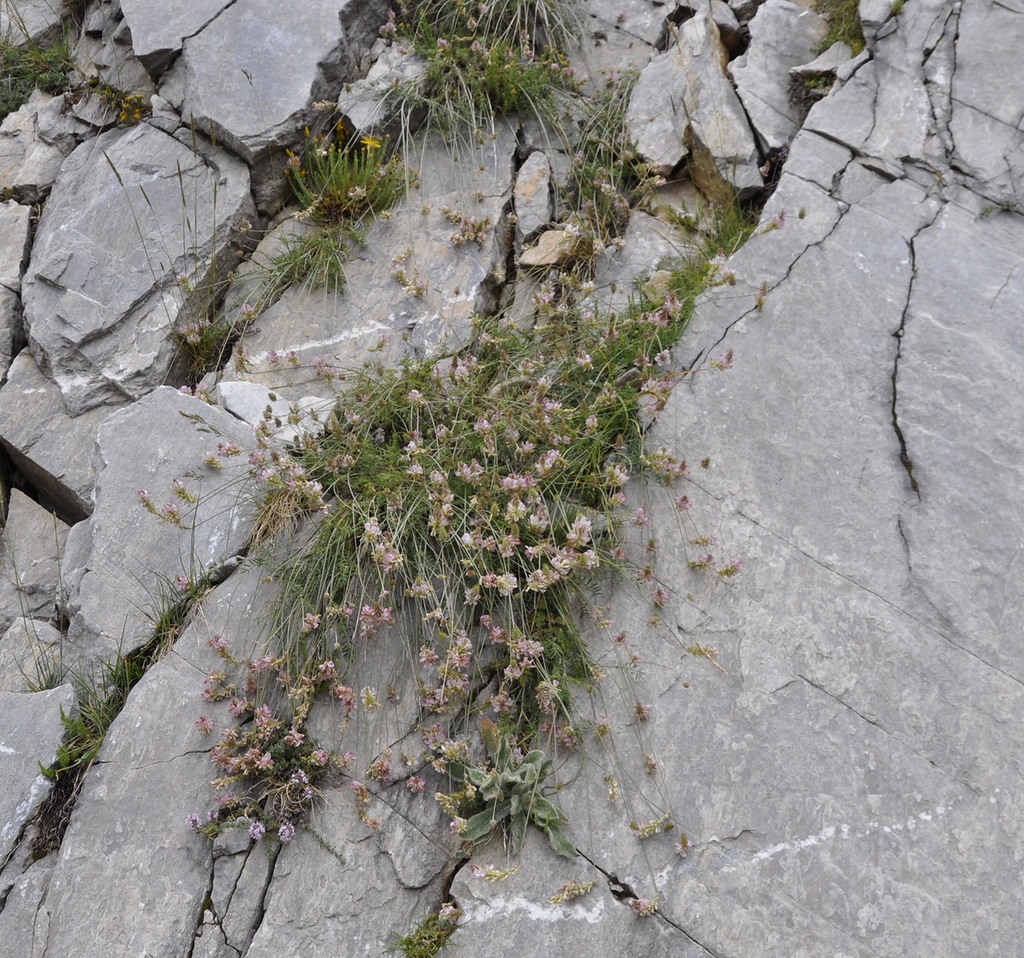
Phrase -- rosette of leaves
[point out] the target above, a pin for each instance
(513, 791)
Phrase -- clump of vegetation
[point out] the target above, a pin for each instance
(511, 792)
(340, 187)
(275, 764)
(607, 178)
(29, 66)
(343, 185)
(844, 24)
(430, 935)
(485, 59)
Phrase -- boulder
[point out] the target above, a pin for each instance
(52, 451)
(153, 771)
(33, 543)
(30, 656)
(437, 258)
(134, 238)
(554, 248)
(293, 56)
(532, 195)
(364, 104)
(15, 230)
(30, 21)
(29, 737)
(159, 31)
(782, 35)
(125, 564)
(33, 146)
(684, 98)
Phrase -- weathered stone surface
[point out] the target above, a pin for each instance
(23, 922)
(132, 211)
(616, 37)
(293, 56)
(962, 318)
(29, 655)
(53, 451)
(14, 243)
(30, 154)
(976, 77)
(685, 96)
(29, 737)
(286, 421)
(553, 248)
(411, 289)
(123, 561)
(532, 195)
(782, 35)
(158, 30)
(153, 771)
(29, 20)
(33, 542)
(827, 62)
(364, 103)
(104, 54)
(647, 243)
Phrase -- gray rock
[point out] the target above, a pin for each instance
(684, 97)
(827, 62)
(31, 732)
(963, 455)
(412, 288)
(129, 830)
(616, 36)
(782, 35)
(30, 21)
(132, 211)
(158, 32)
(53, 451)
(251, 403)
(646, 244)
(33, 542)
(294, 56)
(30, 656)
(106, 56)
(976, 79)
(532, 195)
(14, 243)
(127, 562)
(30, 159)
(364, 104)
(23, 922)
(554, 248)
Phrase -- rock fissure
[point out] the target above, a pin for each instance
(754, 310)
(877, 724)
(901, 439)
(893, 605)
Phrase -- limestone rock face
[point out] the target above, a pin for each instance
(34, 140)
(122, 553)
(684, 96)
(532, 195)
(158, 31)
(50, 449)
(815, 752)
(31, 732)
(30, 20)
(102, 293)
(251, 74)
(782, 35)
(33, 542)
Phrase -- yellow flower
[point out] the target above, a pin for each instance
(370, 143)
